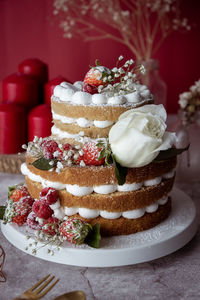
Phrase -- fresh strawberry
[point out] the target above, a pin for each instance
(17, 192)
(42, 210)
(49, 195)
(19, 219)
(50, 226)
(32, 222)
(74, 230)
(21, 211)
(94, 77)
(49, 147)
(91, 154)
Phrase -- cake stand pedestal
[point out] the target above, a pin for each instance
(165, 238)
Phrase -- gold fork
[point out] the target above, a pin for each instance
(38, 290)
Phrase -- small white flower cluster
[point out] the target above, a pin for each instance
(61, 157)
(41, 240)
(190, 102)
(191, 97)
(122, 80)
(34, 147)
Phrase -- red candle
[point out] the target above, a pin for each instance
(49, 87)
(21, 89)
(38, 70)
(35, 68)
(12, 128)
(39, 121)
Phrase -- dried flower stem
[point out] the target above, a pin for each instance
(141, 25)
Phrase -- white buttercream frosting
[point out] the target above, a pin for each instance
(154, 181)
(105, 189)
(67, 92)
(81, 98)
(129, 214)
(77, 190)
(78, 137)
(81, 122)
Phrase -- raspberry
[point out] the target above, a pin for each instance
(50, 226)
(49, 147)
(32, 223)
(18, 193)
(28, 199)
(74, 230)
(49, 195)
(91, 154)
(89, 88)
(67, 147)
(42, 210)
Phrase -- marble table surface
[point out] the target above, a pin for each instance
(176, 276)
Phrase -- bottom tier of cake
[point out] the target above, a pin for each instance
(143, 215)
(123, 226)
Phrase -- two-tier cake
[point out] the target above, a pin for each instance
(103, 154)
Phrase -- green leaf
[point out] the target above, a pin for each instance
(93, 238)
(97, 62)
(14, 187)
(10, 190)
(2, 211)
(169, 153)
(102, 154)
(44, 164)
(120, 172)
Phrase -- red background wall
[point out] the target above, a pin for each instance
(28, 30)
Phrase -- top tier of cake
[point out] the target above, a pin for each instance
(79, 116)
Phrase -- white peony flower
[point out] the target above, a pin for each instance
(139, 135)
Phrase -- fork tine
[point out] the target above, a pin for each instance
(48, 289)
(40, 288)
(38, 283)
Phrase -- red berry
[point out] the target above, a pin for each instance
(19, 220)
(42, 210)
(74, 230)
(28, 199)
(49, 147)
(91, 155)
(50, 226)
(21, 210)
(18, 193)
(32, 223)
(88, 88)
(93, 77)
(67, 147)
(49, 195)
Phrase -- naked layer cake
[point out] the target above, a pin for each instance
(104, 156)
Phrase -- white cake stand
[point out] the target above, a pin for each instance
(169, 236)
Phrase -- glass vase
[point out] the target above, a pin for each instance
(188, 163)
(153, 80)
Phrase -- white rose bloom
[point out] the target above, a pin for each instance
(139, 135)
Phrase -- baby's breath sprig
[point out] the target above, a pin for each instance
(122, 79)
(41, 240)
